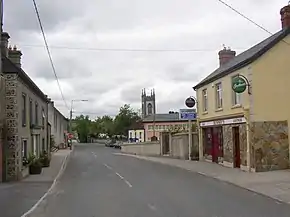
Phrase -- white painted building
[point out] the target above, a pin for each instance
(139, 134)
(59, 125)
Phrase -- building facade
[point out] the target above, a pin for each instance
(153, 126)
(25, 114)
(138, 134)
(243, 114)
(59, 125)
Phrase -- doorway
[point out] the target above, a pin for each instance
(166, 148)
(236, 147)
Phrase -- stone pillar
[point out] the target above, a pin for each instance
(12, 149)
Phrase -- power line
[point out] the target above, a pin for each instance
(249, 19)
(244, 16)
(123, 49)
(48, 51)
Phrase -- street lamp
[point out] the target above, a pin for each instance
(70, 115)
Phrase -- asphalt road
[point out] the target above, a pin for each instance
(98, 183)
(16, 198)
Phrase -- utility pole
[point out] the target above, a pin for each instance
(70, 116)
(70, 124)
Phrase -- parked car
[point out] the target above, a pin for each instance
(118, 145)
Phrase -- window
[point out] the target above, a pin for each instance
(150, 109)
(23, 109)
(204, 100)
(236, 97)
(219, 99)
(30, 112)
(24, 148)
(36, 113)
(43, 117)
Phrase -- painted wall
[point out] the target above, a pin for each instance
(271, 79)
(58, 124)
(228, 108)
(24, 130)
(140, 134)
(161, 127)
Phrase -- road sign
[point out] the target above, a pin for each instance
(187, 114)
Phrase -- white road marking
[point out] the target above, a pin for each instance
(119, 175)
(126, 181)
(106, 165)
(60, 172)
(94, 154)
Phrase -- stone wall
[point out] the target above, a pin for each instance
(13, 149)
(270, 145)
(228, 146)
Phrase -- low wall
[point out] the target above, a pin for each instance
(179, 146)
(142, 148)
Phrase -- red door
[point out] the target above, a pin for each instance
(236, 142)
(215, 147)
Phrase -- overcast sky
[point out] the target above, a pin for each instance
(110, 79)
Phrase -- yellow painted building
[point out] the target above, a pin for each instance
(248, 127)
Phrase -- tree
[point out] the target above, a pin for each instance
(83, 127)
(125, 119)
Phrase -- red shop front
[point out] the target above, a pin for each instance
(213, 143)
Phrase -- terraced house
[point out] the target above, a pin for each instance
(25, 114)
(59, 126)
(243, 109)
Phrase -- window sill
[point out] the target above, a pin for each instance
(205, 112)
(219, 110)
(236, 106)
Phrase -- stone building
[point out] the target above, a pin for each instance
(26, 114)
(148, 103)
(243, 109)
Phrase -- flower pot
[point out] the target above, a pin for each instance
(45, 162)
(35, 169)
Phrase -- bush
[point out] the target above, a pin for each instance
(35, 165)
(45, 159)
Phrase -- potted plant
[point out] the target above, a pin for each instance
(35, 165)
(45, 159)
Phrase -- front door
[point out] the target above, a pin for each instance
(236, 143)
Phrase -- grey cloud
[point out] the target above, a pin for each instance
(109, 79)
(20, 15)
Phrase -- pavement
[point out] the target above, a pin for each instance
(18, 197)
(275, 184)
(99, 183)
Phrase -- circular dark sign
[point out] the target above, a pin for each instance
(190, 102)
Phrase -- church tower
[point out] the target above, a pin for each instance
(148, 103)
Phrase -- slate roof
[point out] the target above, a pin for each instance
(10, 67)
(244, 58)
(163, 118)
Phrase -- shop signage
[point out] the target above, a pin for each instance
(239, 85)
(190, 102)
(223, 122)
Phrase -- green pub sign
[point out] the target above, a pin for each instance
(239, 84)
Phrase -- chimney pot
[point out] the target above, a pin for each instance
(285, 17)
(15, 56)
(225, 55)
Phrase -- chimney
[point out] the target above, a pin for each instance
(285, 17)
(226, 55)
(4, 43)
(15, 56)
